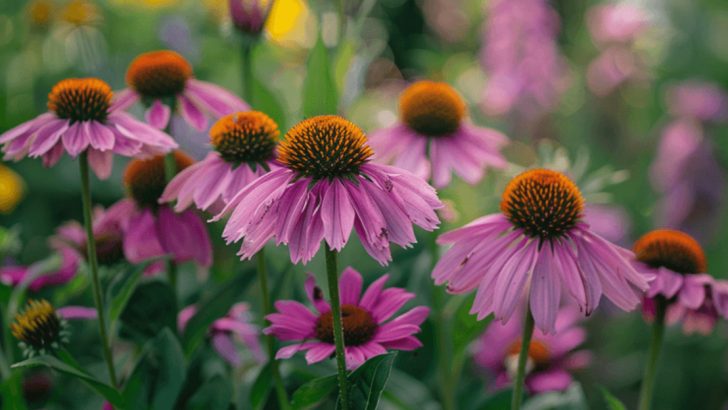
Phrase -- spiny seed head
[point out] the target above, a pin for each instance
(326, 146)
(159, 74)
(248, 137)
(80, 99)
(432, 108)
(359, 326)
(38, 328)
(544, 203)
(671, 249)
(145, 178)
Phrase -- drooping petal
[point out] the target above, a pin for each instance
(158, 115)
(545, 291)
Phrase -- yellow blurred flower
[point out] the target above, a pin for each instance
(11, 189)
(287, 20)
(40, 12)
(81, 13)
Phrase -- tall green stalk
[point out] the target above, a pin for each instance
(247, 68)
(170, 170)
(517, 397)
(658, 332)
(332, 276)
(268, 309)
(94, 265)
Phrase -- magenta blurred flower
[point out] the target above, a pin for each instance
(616, 23)
(615, 66)
(693, 297)
(77, 313)
(550, 360)
(326, 188)
(244, 146)
(14, 275)
(534, 248)
(368, 332)
(82, 118)
(107, 232)
(525, 71)
(698, 100)
(163, 80)
(152, 230)
(608, 221)
(234, 327)
(249, 16)
(433, 138)
(690, 179)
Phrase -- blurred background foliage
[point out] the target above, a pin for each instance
(43, 41)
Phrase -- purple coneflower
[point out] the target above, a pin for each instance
(249, 16)
(368, 330)
(689, 294)
(526, 73)
(535, 248)
(234, 327)
(433, 138)
(15, 275)
(163, 80)
(82, 119)
(244, 146)
(107, 234)
(152, 230)
(681, 291)
(325, 188)
(551, 357)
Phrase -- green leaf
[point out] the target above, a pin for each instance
(215, 394)
(159, 375)
(150, 309)
(268, 102)
(213, 307)
(262, 387)
(498, 401)
(106, 391)
(120, 291)
(571, 399)
(368, 381)
(613, 403)
(313, 392)
(319, 88)
(467, 327)
(12, 392)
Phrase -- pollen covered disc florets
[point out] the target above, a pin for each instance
(81, 99)
(145, 178)
(432, 108)
(544, 203)
(325, 146)
(359, 326)
(537, 351)
(38, 327)
(671, 249)
(245, 137)
(158, 74)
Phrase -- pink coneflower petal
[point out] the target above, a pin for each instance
(319, 352)
(76, 312)
(184, 235)
(552, 380)
(191, 113)
(140, 239)
(337, 215)
(545, 291)
(101, 162)
(217, 99)
(158, 115)
(225, 347)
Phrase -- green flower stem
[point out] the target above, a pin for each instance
(658, 332)
(268, 309)
(332, 275)
(170, 170)
(522, 358)
(247, 68)
(94, 265)
(445, 371)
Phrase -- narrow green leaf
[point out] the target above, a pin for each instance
(369, 380)
(103, 389)
(215, 394)
(467, 327)
(150, 309)
(268, 102)
(313, 392)
(159, 375)
(213, 307)
(261, 387)
(120, 292)
(613, 403)
(319, 88)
